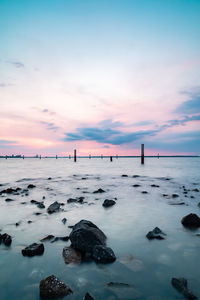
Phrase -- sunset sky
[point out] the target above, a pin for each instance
(101, 76)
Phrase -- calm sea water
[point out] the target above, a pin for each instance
(146, 265)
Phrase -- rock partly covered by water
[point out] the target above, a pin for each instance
(33, 249)
(85, 235)
(10, 191)
(156, 233)
(99, 191)
(181, 285)
(103, 254)
(52, 287)
(72, 256)
(54, 207)
(6, 239)
(191, 220)
(31, 186)
(108, 203)
(76, 200)
(88, 297)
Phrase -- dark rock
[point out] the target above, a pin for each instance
(85, 235)
(23, 202)
(196, 190)
(76, 200)
(6, 238)
(144, 192)
(124, 290)
(31, 186)
(29, 222)
(155, 185)
(41, 205)
(37, 213)
(43, 197)
(135, 176)
(99, 191)
(175, 195)
(176, 203)
(34, 202)
(54, 207)
(156, 233)
(191, 220)
(64, 220)
(108, 203)
(10, 191)
(136, 185)
(49, 178)
(17, 224)
(124, 175)
(181, 285)
(103, 254)
(72, 256)
(33, 249)
(60, 238)
(47, 238)
(198, 204)
(9, 200)
(52, 287)
(192, 197)
(88, 297)
(83, 178)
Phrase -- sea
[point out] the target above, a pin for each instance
(144, 200)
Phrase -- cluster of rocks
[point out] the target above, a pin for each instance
(40, 204)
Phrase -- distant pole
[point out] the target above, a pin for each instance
(110, 158)
(116, 155)
(6, 156)
(74, 155)
(158, 155)
(101, 156)
(89, 156)
(56, 156)
(23, 156)
(40, 157)
(69, 156)
(142, 154)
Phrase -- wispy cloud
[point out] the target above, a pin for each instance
(192, 105)
(50, 125)
(7, 143)
(17, 64)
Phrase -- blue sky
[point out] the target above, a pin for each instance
(68, 67)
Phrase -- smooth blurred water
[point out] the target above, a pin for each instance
(126, 224)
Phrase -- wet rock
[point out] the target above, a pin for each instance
(124, 175)
(34, 202)
(76, 200)
(33, 249)
(47, 238)
(156, 233)
(31, 186)
(176, 203)
(10, 191)
(108, 203)
(23, 202)
(60, 238)
(99, 191)
(155, 185)
(64, 220)
(52, 287)
(9, 200)
(85, 235)
(192, 197)
(165, 195)
(136, 185)
(191, 220)
(103, 254)
(6, 239)
(135, 176)
(41, 205)
(196, 190)
(54, 207)
(71, 255)
(88, 297)
(175, 195)
(37, 213)
(29, 221)
(144, 192)
(49, 178)
(181, 285)
(17, 224)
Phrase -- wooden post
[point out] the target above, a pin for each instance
(110, 158)
(56, 156)
(117, 156)
(89, 156)
(142, 154)
(23, 156)
(40, 156)
(69, 156)
(6, 156)
(74, 155)
(101, 156)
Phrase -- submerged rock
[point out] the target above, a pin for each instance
(85, 235)
(103, 254)
(41, 205)
(191, 220)
(123, 290)
(47, 238)
(76, 200)
(88, 297)
(175, 195)
(72, 256)
(60, 238)
(99, 191)
(9, 200)
(181, 285)
(52, 287)
(64, 220)
(54, 207)
(124, 175)
(155, 185)
(33, 249)
(136, 185)
(156, 233)
(108, 203)
(196, 190)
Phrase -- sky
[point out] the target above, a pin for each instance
(101, 76)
